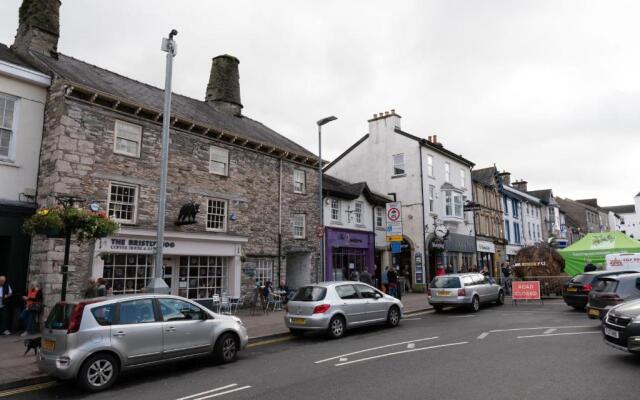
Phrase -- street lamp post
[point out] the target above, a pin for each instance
(158, 285)
(320, 123)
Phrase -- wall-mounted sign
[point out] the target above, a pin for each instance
(436, 244)
(135, 244)
(394, 219)
(188, 213)
(485, 247)
(396, 247)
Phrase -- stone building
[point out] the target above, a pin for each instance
(254, 189)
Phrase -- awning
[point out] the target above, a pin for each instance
(460, 243)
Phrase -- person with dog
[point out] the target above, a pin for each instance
(33, 308)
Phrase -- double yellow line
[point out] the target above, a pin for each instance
(26, 389)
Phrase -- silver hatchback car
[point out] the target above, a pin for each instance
(94, 340)
(337, 306)
(463, 290)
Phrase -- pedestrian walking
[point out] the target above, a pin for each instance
(385, 280)
(92, 289)
(407, 279)
(365, 277)
(32, 309)
(5, 294)
(506, 273)
(393, 282)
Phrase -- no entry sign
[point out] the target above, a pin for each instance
(527, 290)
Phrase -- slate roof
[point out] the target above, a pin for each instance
(346, 190)
(102, 80)
(485, 176)
(9, 56)
(544, 195)
(625, 209)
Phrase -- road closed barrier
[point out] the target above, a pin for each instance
(525, 290)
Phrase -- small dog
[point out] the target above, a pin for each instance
(35, 344)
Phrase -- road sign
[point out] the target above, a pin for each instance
(320, 231)
(396, 247)
(394, 238)
(525, 290)
(394, 219)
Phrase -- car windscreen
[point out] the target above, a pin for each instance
(310, 293)
(59, 316)
(606, 285)
(446, 282)
(582, 278)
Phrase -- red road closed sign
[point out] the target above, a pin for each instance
(527, 290)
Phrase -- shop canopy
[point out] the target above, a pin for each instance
(594, 247)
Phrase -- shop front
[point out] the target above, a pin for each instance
(511, 251)
(196, 265)
(486, 255)
(460, 252)
(348, 253)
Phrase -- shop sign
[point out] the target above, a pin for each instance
(525, 290)
(512, 250)
(394, 219)
(394, 238)
(118, 244)
(396, 247)
(531, 264)
(436, 244)
(485, 247)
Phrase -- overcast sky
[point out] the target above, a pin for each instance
(548, 90)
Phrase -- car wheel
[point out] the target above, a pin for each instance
(336, 327)
(98, 373)
(297, 332)
(393, 317)
(226, 349)
(438, 308)
(500, 300)
(475, 304)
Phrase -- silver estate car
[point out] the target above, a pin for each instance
(94, 340)
(463, 290)
(337, 306)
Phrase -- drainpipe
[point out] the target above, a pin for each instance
(424, 234)
(280, 222)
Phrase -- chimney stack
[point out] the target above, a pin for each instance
(435, 139)
(38, 27)
(521, 185)
(506, 177)
(223, 90)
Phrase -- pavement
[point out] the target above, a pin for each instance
(17, 370)
(529, 351)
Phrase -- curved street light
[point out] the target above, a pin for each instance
(321, 122)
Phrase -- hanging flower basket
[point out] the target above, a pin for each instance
(53, 222)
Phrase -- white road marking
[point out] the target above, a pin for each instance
(548, 331)
(411, 346)
(556, 334)
(400, 352)
(461, 316)
(208, 391)
(411, 319)
(483, 335)
(221, 393)
(375, 348)
(343, 359)
(541, 327)
(420, 313)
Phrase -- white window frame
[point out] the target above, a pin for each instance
(221, 158)
(136, 188)
(399, 165)
(304, 226)
(447, 172)
(463, 179)
(432, 199)
(453, 203)
(297, 174)
(430, 166)
(379, 217)
(358, 207)
(127, 136)
(224, 216)
(334, 205)
(13, 131)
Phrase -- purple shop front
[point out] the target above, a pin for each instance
(348, 253)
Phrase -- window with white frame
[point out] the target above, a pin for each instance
(7, 130)
(457, 205)
(430, 165)
(217, 215)
(218, 160)
(463, 180)
(358, 212)
(447, 172)
(335, 210)
(299, 181)
(379, 217)
(123, 200)
(299, 226)
(127, 139)
(453, 204)
(432, 198)
(264, 269)
(398, 164)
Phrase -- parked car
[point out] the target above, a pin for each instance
(621, 327)
(463, 290)
(576, 292)
(335, 307)
(611, 291)
(93, 341)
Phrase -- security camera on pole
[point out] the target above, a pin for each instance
(158, 285)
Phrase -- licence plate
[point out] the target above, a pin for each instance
(572, 289)
(594, 312)
(48, 345)
(443, 293)
(612, 333)
(298, 321)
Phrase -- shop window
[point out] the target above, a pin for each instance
(358, 212)
(217, 215)
(299, 226)
(218, 160)
(299, 181)
(127, 139)
(264, 269)
(7, 128)
(123, 201)
(128, 273)
(335, 210)
(201, 277)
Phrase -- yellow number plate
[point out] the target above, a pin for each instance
(572, 289)
(594, 312)
(298, 321)
(443, 293)
(48, 345)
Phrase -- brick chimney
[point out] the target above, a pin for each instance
(223, 90)
(521, 185)
(506, 177)
(38, 27)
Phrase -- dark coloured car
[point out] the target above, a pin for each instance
(612, 291)
(621, 327)
(576, 292)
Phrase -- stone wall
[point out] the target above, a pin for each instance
(77, 158)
